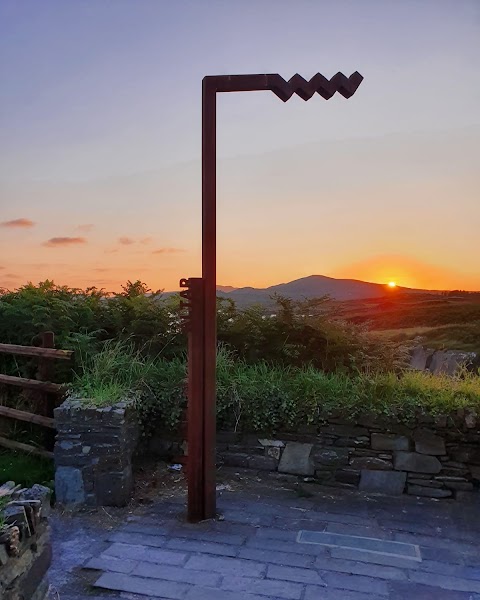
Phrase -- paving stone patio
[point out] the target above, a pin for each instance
(416, 549)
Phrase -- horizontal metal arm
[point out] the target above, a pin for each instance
(346, 86)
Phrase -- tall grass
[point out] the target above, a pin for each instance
(116, 372)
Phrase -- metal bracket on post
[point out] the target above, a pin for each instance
(193, 300)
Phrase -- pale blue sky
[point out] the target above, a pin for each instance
(100, 124)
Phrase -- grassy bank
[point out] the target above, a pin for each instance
(262, 396)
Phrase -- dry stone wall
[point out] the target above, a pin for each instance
(436, 458)
(25, 548)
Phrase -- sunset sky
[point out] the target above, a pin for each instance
(100, 140)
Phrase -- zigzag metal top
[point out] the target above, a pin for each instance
(346, 86)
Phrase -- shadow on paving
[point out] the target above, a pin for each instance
(366, 547)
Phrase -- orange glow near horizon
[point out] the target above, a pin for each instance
(163, 270)
(413, 273)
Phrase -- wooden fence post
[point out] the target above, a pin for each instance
(45, 373)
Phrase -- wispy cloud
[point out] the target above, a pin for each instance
(103, 282)
(125, 241)
(85, 228)
(128, 241)
(19, 223)
(50, 265)
(101, 270)
(64, 241)
(168, 250)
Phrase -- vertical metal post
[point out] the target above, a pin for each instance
(209, 184)
(195, 476)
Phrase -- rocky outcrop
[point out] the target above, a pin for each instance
(443, 361)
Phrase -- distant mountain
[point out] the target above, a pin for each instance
(226, 288)
(313, 286)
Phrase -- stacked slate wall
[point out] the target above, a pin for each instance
(431, 457)
(93, 453)
(25, 547)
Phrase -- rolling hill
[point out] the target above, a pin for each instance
(313, 286)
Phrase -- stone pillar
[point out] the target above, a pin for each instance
(93, 453)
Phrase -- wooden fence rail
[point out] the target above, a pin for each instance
(47, 391)
(35, 351)
(32, 384)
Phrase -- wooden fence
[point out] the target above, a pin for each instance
(46, 391)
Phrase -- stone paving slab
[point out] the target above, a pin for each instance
(254, 554)
(369, 544)
(267, 587)
(168, 573)
(277, 558)
(104, 562)
(401, 591)
(266, 561)
(145, 553)
(142, 585)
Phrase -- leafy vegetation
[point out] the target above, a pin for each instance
(295, 334)
(82, 319)
(305, 332)
(264, 397)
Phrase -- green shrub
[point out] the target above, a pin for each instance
(163, 396)
(262, 397)
(300, 333)
(291, 334)
(83, 319)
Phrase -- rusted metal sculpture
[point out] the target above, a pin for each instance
(200, 293)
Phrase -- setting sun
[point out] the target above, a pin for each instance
(392, 284)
